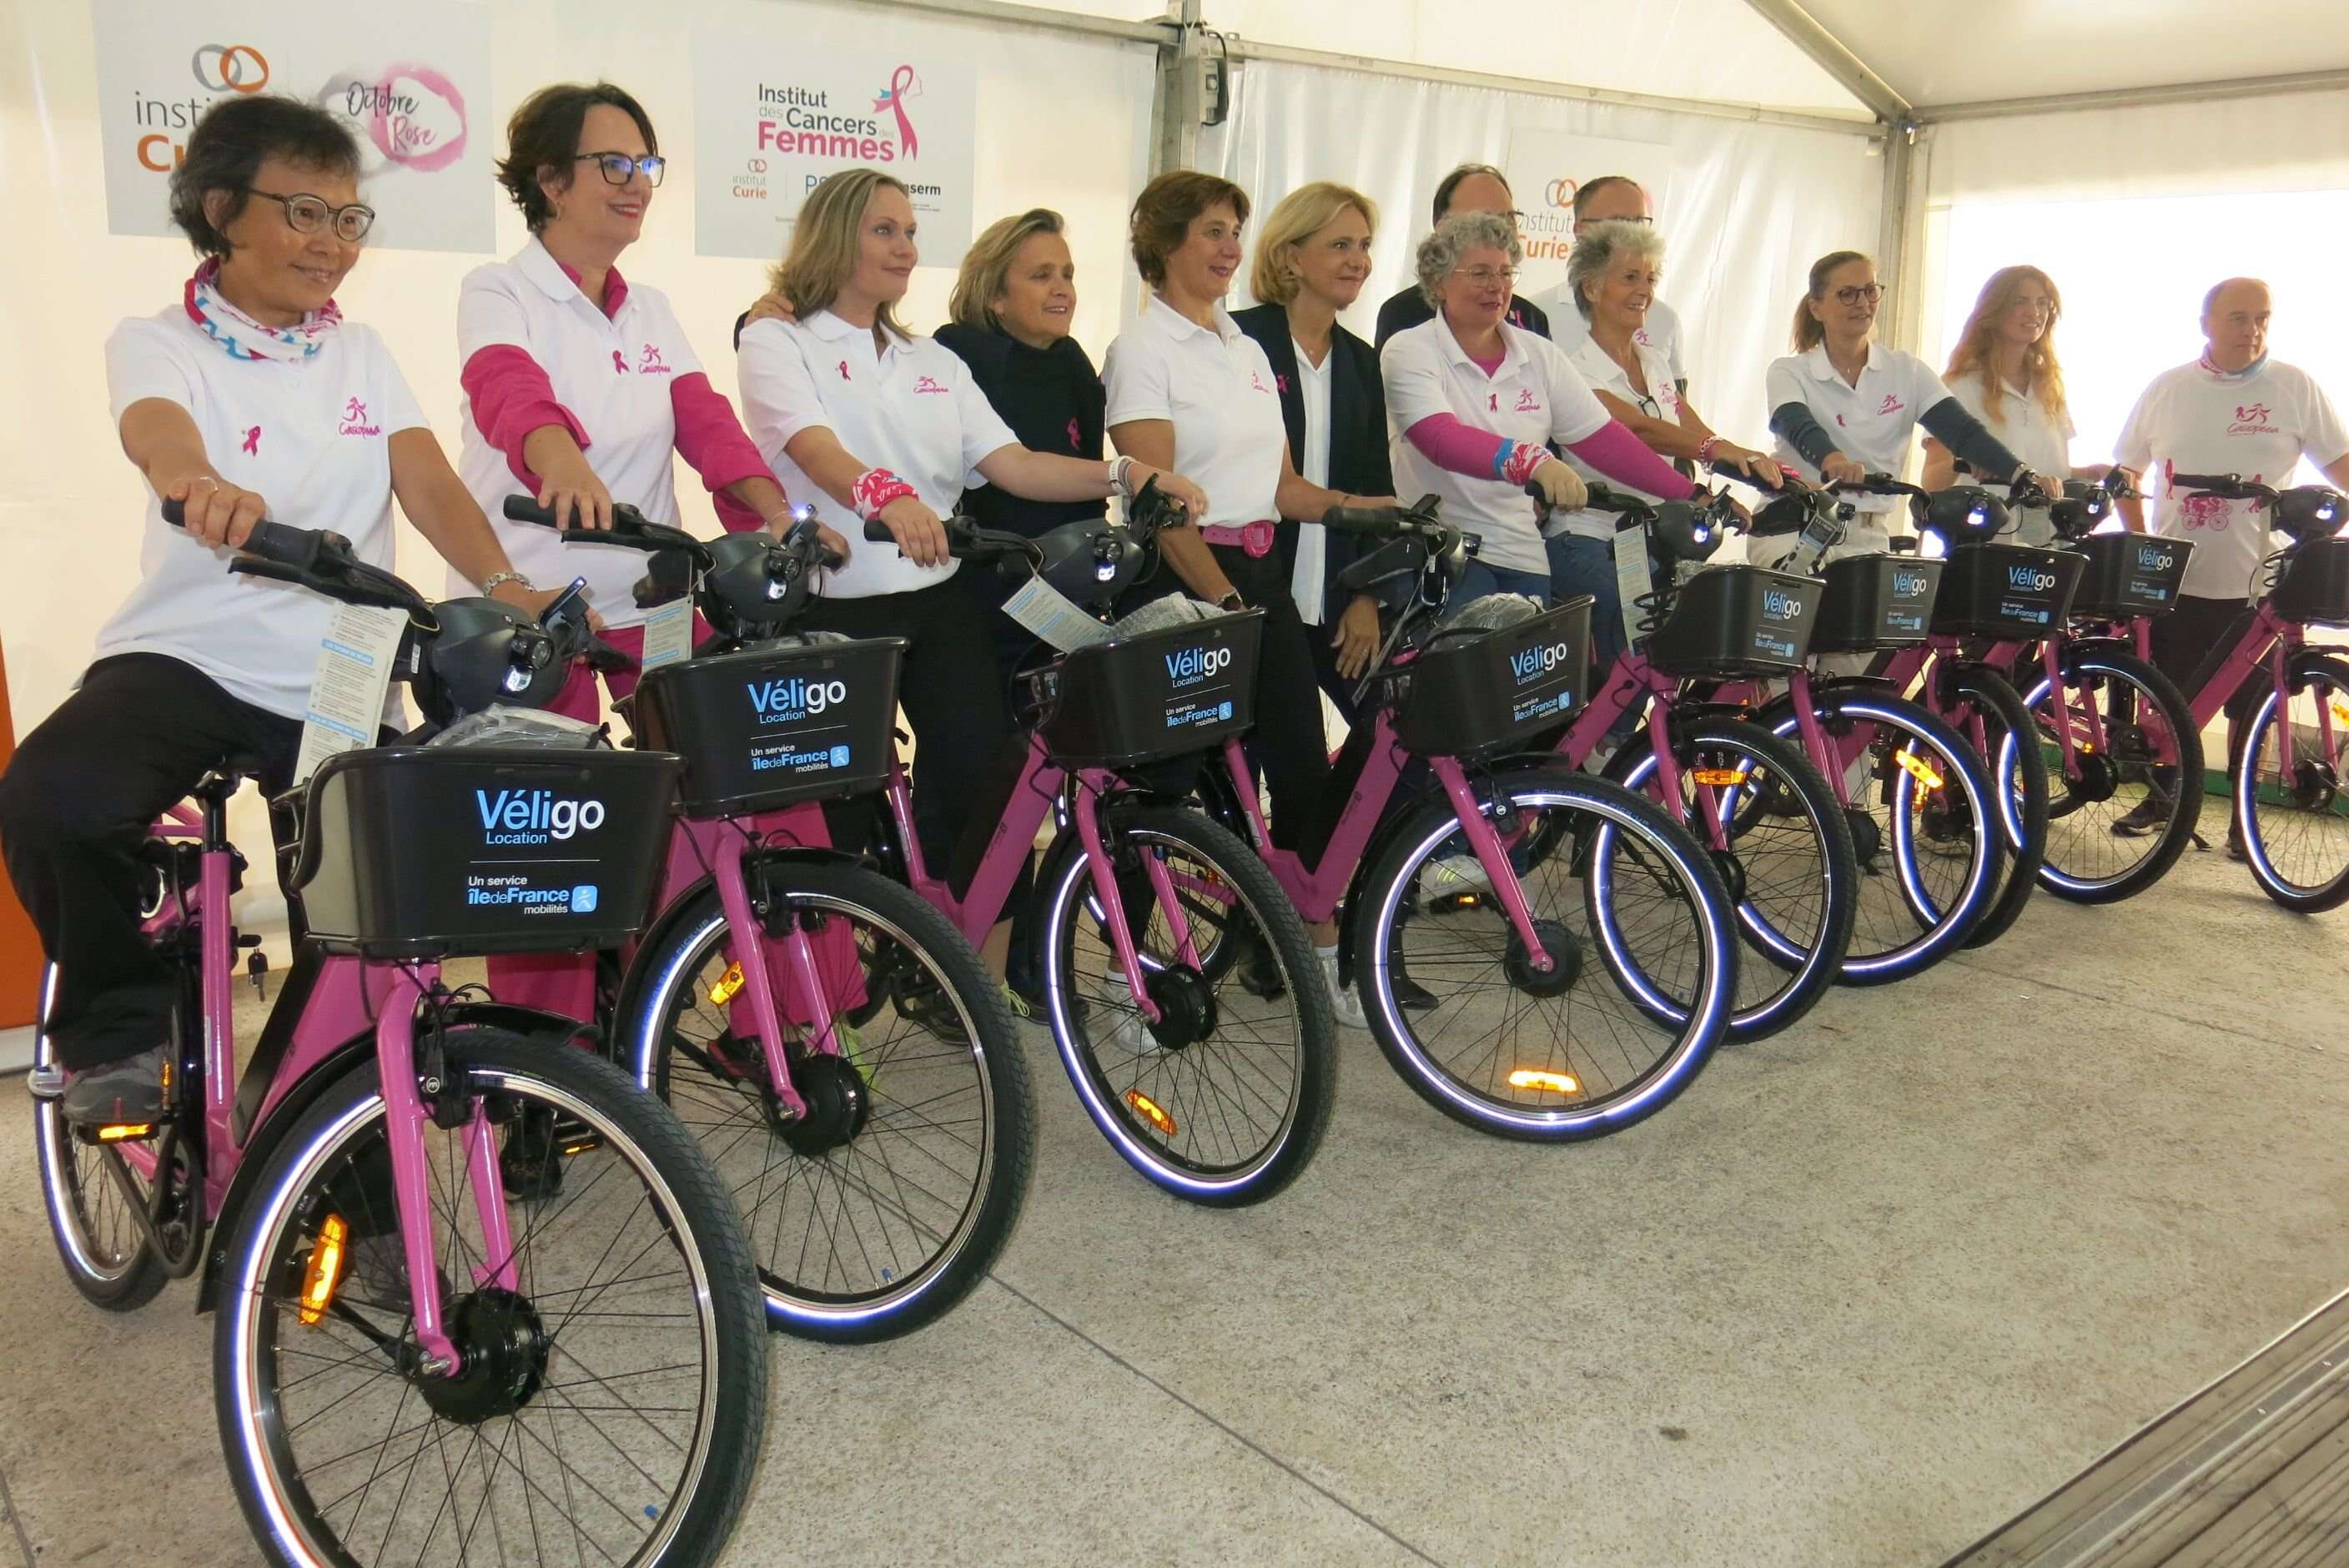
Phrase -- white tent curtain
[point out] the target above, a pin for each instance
(1746, 207)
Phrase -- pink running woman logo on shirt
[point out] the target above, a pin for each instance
(354, 420)
(1527, 402)
(2252, 421)
(651, 363)
(923, 384)
(1256, 383)
(253, 442)
(1892, 404)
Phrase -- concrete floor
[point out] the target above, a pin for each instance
(1865, 1291)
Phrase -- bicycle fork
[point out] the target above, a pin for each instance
(1494, 856)
(1087, 812)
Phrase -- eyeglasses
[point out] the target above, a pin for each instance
(1485, 277)
(306, 214)
(619, 168)
(1871, 292)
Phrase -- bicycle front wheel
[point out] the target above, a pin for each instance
(1222, 1098)
(610, 1401)
(2146, 776)
(891, 1198)
(1777, 836)
(1635, 998)
(2294, 819)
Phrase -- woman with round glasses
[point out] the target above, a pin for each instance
(247, 396)
(579, 388)
(580, 385)
(1844, 405)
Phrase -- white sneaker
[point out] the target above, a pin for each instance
(1343, 998)
(1131, 1033)
(1453, 875)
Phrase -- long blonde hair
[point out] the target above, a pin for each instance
(1808, 332)
(826, 242)
(1302, 214)
(1973, 355)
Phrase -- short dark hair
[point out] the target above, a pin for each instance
(545, 134)
(228, 147)
(1163, 213)
(1453, 180)
(1590, 188)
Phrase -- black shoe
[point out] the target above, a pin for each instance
(1256, 970)
(119, 1093)
(2151, 815)
(2235, 851)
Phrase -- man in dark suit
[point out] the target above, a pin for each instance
(1470, 187)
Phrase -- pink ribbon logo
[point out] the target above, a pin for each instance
(901, 82)
(1280, 381)
(253, 441)
(1076, 436)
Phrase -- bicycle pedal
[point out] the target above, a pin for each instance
(107, 1134)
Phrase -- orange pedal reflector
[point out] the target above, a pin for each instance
(1916, 768)
(1535, 1077)
(126, 1131)
(1150, 1112)
(324, 1275)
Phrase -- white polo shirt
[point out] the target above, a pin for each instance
(2190, 421)
(1535, 396)
(1662, 401)
(1662, 332)
(1216, 386)
(612, 374)
(2041, 443)
(910, 408)
(1305, 583)
(1873, 422)
(313, 437)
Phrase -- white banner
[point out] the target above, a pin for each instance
(778, 111)
(413, 80)
(1546, 167)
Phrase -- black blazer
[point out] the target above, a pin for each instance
(1053, 402)
(1358, 428)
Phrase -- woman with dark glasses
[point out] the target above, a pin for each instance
(579, 388)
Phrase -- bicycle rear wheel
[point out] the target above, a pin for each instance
(2146, 726)
(101, 1245)
(2295, 821)
(1223, 1100)
(610, 1403)
(891, 1199)
(1785, 856)
(1636, 999)
(1918, 800)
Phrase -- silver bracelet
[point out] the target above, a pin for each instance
(498, 580)
(1120, 470)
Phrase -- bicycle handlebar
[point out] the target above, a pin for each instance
(1420, 517)
(2227, 487)
(317, 559)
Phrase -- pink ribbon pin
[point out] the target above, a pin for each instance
(894, 98)
(253, 441)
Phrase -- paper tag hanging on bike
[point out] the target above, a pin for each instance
(348, 685)
(1631, 581)
(1055, 618)
(668, 635)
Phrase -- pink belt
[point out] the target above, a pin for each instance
(1256, 538)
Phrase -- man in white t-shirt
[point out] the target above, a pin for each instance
(2233, 411)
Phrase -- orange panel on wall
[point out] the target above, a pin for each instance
(20, 951)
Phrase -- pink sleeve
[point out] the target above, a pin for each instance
(1443, 439)
(512, 396)
(1622, 457)
(735, 517)
(709, 436)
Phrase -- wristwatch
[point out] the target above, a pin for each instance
(1231, 601)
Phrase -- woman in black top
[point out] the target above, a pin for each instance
(1312, 261)
(1011, 310)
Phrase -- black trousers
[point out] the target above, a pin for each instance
(951, 696)
(2191, 643)
(75, 806)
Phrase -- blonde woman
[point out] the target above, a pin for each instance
(2005, 373)
(1313, 258)
(870, 423)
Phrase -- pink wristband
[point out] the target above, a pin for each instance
(1704, 448)
(1520, 464)
(875, 489)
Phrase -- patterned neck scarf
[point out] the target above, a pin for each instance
(2230, 376)
(245, 338)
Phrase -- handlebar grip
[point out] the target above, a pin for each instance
(625, 520)
(279, 541)
(878, 531)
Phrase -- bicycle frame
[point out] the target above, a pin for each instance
(350, 997)
(1317, 890)
(1632, 680)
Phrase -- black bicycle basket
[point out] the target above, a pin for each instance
(2130, 574)
(1472, 694)
(1150, 696)
(1875, 600)
(439, 853)
(2316, 586)
(2005, 590)
(1738, 620)
(775, 724)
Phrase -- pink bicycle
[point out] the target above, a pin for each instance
(409, 1365)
